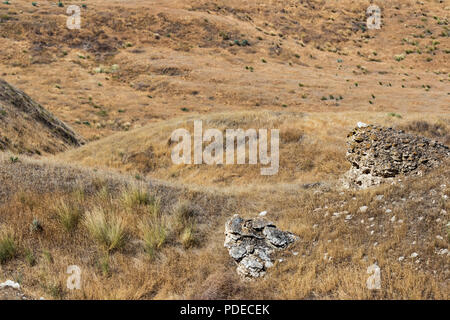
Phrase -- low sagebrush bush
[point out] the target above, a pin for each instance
(36, 226)
(107, 229)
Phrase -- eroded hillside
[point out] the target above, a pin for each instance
(26, 127)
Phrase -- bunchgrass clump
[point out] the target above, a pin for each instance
(47, 256)
(69, 214)
(107, 229)
(104, 265)
(135, 197)
(154, 234)
(184, 215)
(30, 257)
(103, 195)
(8, 247)
(55, 290)
(187, 236)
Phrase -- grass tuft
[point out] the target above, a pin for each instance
(184, 215)
(8, 247)
(154, 234)
(69, 214)
(132, 198)
(107, 229)
(187, 237)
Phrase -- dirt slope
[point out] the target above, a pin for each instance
(26, 127)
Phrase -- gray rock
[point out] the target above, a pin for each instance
(251, 267)
(252, 244)
(261, 223)
(379, 154)
(277, 237)
(238, 252)
(234, 225)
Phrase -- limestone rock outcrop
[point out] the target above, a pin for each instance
(378, 154)
(253, 242)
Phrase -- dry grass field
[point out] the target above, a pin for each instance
(140, 226)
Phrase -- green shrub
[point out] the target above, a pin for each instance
(399, 57)
(8, 248)
(13, 159)
(29, 257)
(36, 226)
(395, 115)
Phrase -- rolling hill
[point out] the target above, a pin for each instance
(143, 227)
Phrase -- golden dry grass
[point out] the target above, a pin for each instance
(333, 253)
(312, 147)
(176, 62)
(197, 71)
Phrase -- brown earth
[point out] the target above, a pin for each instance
(137, 70)
(26, 127)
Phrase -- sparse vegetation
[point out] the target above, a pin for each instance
(154, 234)
(36, 225)
(142, 227)
(30, 258)
(138, 196)
(106, 228)
(394, 115)
(69, 214)
(14, 159)
(399, 57)
(8, 247)
(188, 236)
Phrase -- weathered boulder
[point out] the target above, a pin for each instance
(379, 154)
(253, 242)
